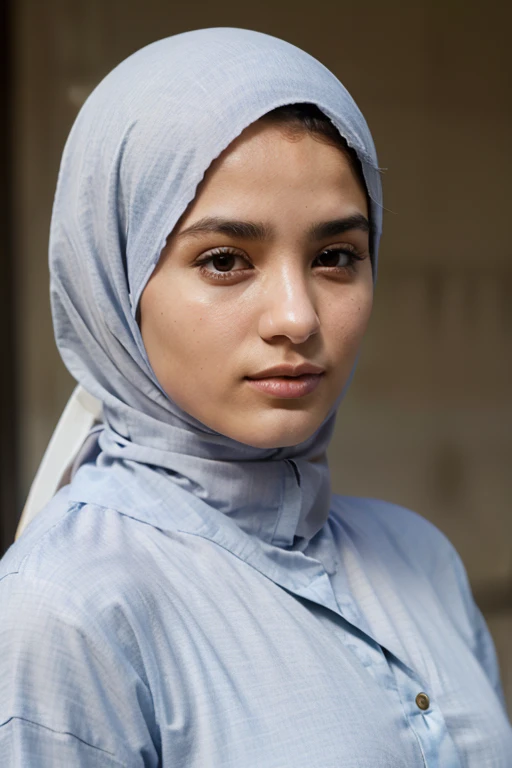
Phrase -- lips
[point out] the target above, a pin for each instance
(288, 370)
(286, 381)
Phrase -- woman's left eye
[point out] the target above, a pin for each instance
(340, 258)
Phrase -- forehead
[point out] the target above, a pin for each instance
(268, 169)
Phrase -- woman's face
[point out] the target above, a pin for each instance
(268, 267)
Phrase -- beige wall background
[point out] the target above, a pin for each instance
(428, 421)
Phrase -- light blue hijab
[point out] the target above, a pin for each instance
(135, 156)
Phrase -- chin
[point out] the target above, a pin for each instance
(277, 435)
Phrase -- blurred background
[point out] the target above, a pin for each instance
(428, 421)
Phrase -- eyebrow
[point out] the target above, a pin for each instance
(339, 226)
(256, 230)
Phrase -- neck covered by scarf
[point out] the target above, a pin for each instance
(135, 156)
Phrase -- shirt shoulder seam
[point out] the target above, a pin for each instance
(72, 507)
(61, 733)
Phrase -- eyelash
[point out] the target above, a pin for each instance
(349, 251)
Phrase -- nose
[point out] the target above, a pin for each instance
(289, 308)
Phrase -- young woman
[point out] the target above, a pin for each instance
(196, 596)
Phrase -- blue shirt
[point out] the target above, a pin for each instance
(136, 632)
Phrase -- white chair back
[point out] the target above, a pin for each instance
(67, 444)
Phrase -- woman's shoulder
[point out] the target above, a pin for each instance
(77, 553)
(70, 610)
(411, 551)
(415, 557)
(397, 533)
(367, 512)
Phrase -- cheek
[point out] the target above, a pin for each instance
(361, 311)
(348, 321)
(189, 342)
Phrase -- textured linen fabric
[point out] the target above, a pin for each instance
(148, 630)
(189, 601)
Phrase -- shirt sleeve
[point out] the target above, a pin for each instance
(69, 695)
(480, 636)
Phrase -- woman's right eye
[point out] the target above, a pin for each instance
(222, 264)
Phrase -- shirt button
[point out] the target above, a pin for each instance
(423, 701)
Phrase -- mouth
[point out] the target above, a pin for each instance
(286, 386)
(287, 371)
